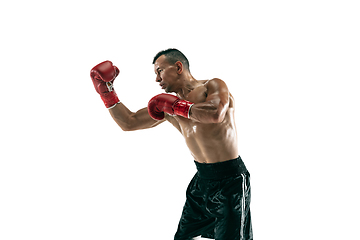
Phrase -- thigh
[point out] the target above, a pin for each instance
(235, 222)
(191, 226)
(194, 221)
(234, 227)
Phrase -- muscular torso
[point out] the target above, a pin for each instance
(211, 142)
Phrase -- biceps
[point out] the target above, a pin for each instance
(219, 99)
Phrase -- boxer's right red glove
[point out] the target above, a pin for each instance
(103, 76)
(170, 104)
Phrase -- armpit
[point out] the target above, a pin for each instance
(173, 121)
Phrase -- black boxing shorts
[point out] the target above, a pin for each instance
(217, 203)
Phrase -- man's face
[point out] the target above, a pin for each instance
(166, 74)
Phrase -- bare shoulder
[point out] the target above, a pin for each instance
(218, 86)
(211, 81)
(215, 85)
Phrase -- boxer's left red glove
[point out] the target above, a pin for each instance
(103, 76)
(170, 104)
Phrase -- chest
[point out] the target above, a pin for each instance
(189, 127)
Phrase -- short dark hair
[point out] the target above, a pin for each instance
(172, 56)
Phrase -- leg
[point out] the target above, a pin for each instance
(235, 222)
(193, 221)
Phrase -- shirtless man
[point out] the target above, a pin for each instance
(218, 197)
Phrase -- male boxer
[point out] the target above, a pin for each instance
(218, 197)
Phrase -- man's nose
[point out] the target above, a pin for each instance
(158, 79)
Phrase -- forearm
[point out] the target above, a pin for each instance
(130, 121)
(121, 115)
(208, 112)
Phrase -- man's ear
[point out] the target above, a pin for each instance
(179, 67)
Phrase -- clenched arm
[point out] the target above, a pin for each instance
(214, 109)
(103, 76)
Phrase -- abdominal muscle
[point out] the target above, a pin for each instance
(211, 143)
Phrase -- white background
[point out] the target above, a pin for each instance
(67, 171)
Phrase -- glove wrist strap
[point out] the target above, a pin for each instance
(114, 105)
(110, 99)
(182, 108)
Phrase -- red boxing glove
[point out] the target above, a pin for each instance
(170, 104)
(103, 76)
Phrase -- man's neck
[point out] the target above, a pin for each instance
(189, 83)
